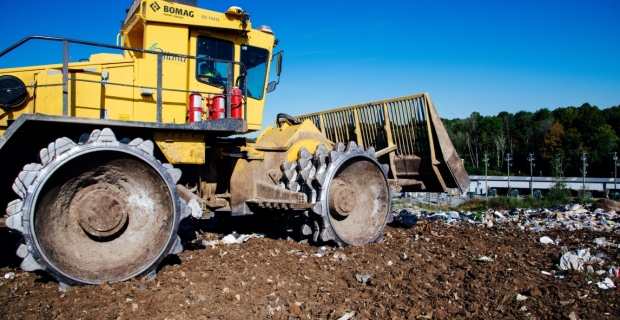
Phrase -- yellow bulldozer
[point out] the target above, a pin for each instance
(102, 158)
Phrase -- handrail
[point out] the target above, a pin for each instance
(160, 54)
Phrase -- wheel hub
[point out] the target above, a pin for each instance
(342, 198)
(100, 210)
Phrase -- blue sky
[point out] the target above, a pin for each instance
(484, 56)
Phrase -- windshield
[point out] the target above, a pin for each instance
(211, 72)
(255, 61)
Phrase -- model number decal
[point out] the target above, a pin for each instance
(210, 18)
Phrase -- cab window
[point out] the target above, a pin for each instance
(255, 61)
(212, 72)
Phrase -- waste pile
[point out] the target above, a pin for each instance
(570, 217)
(602, 216)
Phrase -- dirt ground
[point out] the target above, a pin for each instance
(428, 271)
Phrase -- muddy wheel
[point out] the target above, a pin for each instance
(97, 211)
(350, 190)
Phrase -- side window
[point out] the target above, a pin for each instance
(212, 72)
(255, 61)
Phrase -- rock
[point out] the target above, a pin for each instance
(535, 292)
(567, 302)
(521, 297)
(441, 313)
(294, 309)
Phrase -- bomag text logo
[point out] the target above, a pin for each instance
(155, 6)
(178, 12)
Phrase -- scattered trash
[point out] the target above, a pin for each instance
(9, 275)
(568, 217)
(212, 243)
(606, 284)
(546, 240)
(406, 218)
(347, 316)
(229, 239)
(574, 260)
(363, 278)
(483, 259)
(521, 297)
(240, 238)
(545, 272)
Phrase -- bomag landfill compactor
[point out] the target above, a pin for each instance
(92, 152)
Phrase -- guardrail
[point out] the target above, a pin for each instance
(159, 88)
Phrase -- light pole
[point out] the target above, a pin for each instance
(486, 176)
(532, 165)
(508, 164)
(585, 164)
(615, 170)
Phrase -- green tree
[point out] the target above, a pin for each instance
(565, 116)
(603, 143)
(612, 117)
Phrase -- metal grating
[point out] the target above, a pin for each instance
(366, 124)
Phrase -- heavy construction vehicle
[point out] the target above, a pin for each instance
(102, 159)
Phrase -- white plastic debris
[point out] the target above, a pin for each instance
(521, 297)
(601, 242)
(606, 284)
(9, 275)
(547, 273)
(196, 209)
(575, 260)
(363, 278)
(212, 243)
(230, 239)
(601, 272)
(390, 263)
(484, 259)
(546, 240)
(613, 272)
(347, 316)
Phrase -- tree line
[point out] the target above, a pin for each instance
(561, 135)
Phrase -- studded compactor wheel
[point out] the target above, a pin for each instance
(96, 211)
(349, 190)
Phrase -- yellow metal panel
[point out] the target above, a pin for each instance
(164, 38)
(85, 98)
(49, 96)
(119, 101)
(181, 148)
